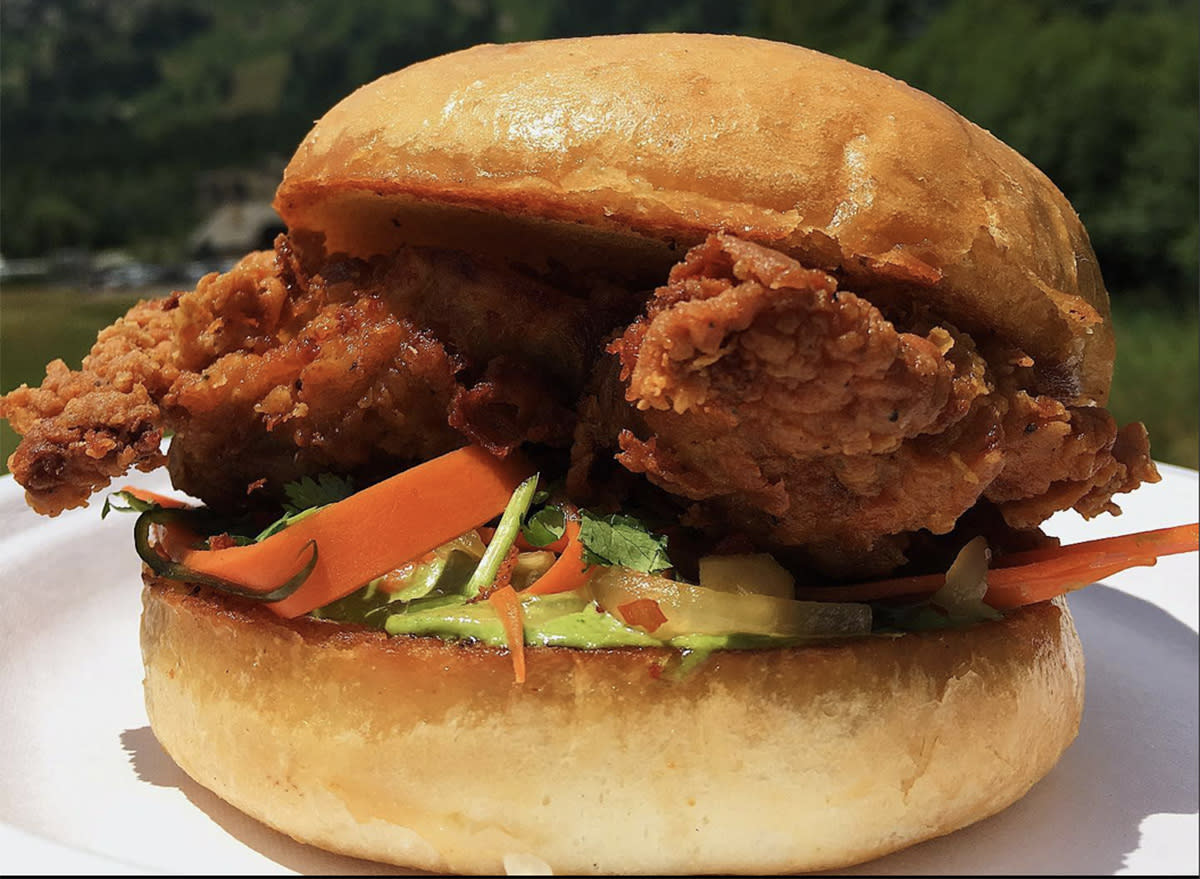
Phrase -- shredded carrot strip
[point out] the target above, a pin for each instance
(372, 531)
(569, 572)
(508, 608)
(878, 590)
(1039, 575)
(1161, 541)
(1036, 575)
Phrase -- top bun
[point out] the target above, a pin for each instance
(618, 151)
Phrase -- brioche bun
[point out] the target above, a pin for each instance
(426, 754)
(613, 155)
(621, 151)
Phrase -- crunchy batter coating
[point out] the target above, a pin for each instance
(765, 400)
(792, 409)
(81, 429)
(292, 364)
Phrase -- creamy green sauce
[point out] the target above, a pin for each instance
(565, 620)
(568, 620)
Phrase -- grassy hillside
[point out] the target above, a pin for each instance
(38, 324)
(1157, 379)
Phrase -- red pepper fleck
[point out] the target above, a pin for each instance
(643, 612)
(221, 541)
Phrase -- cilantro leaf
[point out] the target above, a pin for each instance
(307, 495)
(545, 526)
(306, 492)
(617, 540)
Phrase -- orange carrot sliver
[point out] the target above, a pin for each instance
(1036, 575)
(569, 572)
(508, 608)
(373, 531)
(1040, 576)
(1009, 588)
(878, 590)
(1160, 541)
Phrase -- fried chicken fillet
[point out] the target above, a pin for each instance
(783, 406)
(756, 393)
(275, 369)
(834, 327)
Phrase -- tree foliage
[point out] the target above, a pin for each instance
(109, 111)
(1102, 96)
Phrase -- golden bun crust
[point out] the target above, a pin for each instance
(427, 754)
(622, 150)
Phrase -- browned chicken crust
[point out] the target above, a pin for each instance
(792, 409)
(286, 366)
(81, 429)
(759, 395)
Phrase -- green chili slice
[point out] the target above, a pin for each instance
(175, 571)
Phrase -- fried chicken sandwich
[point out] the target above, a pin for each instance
(631, 459)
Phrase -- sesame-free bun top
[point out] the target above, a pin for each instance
(620, 151)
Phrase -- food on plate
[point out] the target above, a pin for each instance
(630, 459)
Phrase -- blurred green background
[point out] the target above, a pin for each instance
(140, 140)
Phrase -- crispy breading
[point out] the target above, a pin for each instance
(295, 363)
(767, 402)
(790, 409)
(83, 428)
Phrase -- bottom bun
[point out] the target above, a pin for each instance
(427, 754)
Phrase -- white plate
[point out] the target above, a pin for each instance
(85, 788)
